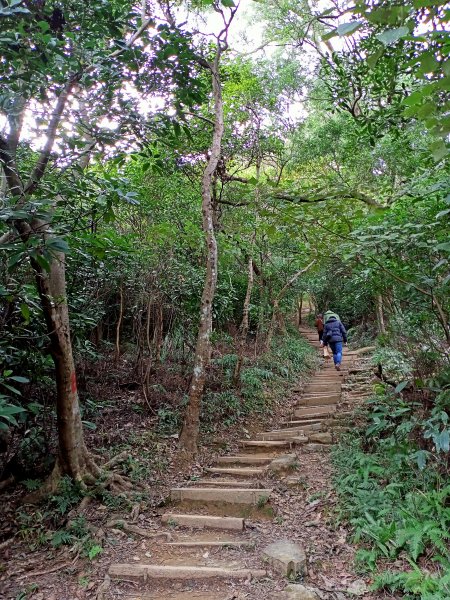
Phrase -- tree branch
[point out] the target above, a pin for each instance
(44, 157)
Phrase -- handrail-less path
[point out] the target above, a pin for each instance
(254, 519)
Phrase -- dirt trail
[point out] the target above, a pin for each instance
(276, 487)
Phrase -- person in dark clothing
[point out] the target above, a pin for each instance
(319, 327)
(335, 335)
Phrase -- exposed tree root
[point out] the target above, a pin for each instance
(58, 567)
(90, 476)
(7, 482)
(103, 588)
(128, 528)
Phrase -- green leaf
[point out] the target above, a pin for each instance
(42, 261)
(401, 386)
(439, 150)
(390, 36)
(348, 28)
(57, 244)
(228, 3)
(444, 246)
(20, 379)
(15, 258)
(25, 310)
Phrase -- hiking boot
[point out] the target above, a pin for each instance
(337, 367)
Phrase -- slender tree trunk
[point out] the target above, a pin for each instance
(276, 303)
(191, 424)
(243, 329)
(380, 314)
(299, 310)
(119, 323)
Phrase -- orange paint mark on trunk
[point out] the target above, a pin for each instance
(73, 382)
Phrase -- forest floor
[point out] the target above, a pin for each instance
(304, 513)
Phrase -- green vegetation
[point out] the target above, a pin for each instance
(169, 203)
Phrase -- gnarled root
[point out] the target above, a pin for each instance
(128, 528)
(88, 474)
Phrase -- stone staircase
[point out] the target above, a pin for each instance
(213, 524)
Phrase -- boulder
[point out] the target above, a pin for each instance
(321, 438)
(286, 558)
(284, 463)
(300, 592)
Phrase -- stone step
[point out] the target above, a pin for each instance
(324, 437)
(236, 472)
(301, 423)
(226, 495)
(315, 412)
(216, 482)
(172, 572)
(285, 434)
(265, 445)
(212, 544)
(204, 521)
(249, 459)
(323, 387)
(323, 401)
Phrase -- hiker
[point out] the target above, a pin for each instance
(334, 335)
(319, 327)
(328, 314)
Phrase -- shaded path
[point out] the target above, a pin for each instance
(277, 486)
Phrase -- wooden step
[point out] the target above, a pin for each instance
(236, 472)
(226, 495)
(217, 482)
(265, 445)
(302, 423)
(286, 434)
(323, 387)
(322, 401)
(249, 459)
(311, 413)
(172, 572)
(203, 521)
(212, 544)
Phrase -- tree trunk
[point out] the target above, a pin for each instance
(191, 424)
(73, 458)
(243, 329)
(276, 303)
(299, 310)
(119, 323)
(380, 314)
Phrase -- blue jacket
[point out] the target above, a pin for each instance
(334, 331)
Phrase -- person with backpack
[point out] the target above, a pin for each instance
(319, 327)
(334, 335)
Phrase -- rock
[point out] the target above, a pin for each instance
(294, 482)
(300, 592)
(358, 588)
(286, 558)
(321, 438)
(284, 463)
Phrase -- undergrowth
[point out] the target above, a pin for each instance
(289, 356)
(394, 491)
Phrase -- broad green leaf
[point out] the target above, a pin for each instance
(348, 28)
(25, 310)
(439, 150)
(390, 36)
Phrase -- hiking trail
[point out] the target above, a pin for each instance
(257, 519)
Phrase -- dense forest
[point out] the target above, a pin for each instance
(180, 184)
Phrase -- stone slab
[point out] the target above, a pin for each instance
(204, 521)
(133, 571)
(287, 558)
(229, 496)
(244, 460)
(235, 472)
